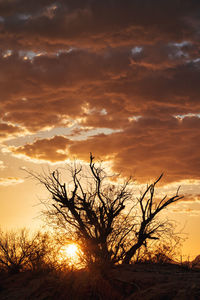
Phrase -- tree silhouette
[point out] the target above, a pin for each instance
(19, 251)
(105, 218)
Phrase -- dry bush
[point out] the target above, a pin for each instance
(166, 250)
(80, 285)
(19, 250)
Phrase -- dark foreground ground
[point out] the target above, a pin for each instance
(144, 281)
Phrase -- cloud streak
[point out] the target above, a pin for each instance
(10, 181)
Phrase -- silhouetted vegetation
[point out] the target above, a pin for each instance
(110, 224)
(126, 246)
(48, 278)
(32, 268)
(19, 250)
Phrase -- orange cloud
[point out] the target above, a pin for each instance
(52, 150)
(8, 131)
(145, 149)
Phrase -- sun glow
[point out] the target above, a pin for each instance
(71, 254)
(71, 250)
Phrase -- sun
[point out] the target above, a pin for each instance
(71, 255)
(71, 250)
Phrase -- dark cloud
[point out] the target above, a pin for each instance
(131, 66)
(103, 89)
(49, 24)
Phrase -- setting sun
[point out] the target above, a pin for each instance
(71, 254)
(71, 250)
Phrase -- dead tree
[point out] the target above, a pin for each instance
(104, 217)
(148, 227)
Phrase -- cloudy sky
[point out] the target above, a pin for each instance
(119, 78)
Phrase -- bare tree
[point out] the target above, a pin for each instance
(105, 218)
(19, 251)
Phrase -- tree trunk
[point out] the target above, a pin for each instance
(131, 252)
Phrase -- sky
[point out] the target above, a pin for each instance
(118, 78)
